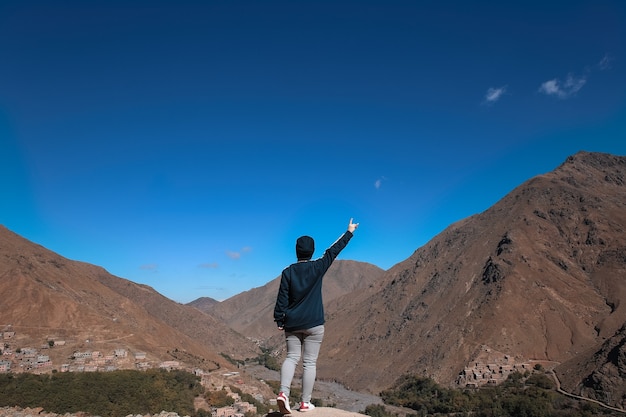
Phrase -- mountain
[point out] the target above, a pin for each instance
(203, 303)
(251, 313)
(539, 277)
(46, 296)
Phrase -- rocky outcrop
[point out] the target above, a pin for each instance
(599, 375)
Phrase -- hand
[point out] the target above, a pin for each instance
(352, 226)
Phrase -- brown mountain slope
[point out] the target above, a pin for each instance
(251, 313)
(201, 327)
(540, 275)
(45, 295)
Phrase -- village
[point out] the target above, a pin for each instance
(491, 368)
(20, 359)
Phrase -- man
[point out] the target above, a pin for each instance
(299, 311)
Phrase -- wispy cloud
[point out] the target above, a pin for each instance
(379, 182)
(494, 94)
(605, 63)
(238, 254)
(233, 254)
(557, 87)
(563, 89)
(209, 265)
(150, 267)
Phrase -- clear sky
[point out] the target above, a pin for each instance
(187, 144)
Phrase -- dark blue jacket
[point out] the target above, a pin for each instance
(299, 303)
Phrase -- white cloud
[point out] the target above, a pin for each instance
(565, 89)
(237, 255)
(550, 87)
(233, 255)
(379, 182)
(494, 94)
(209, 265)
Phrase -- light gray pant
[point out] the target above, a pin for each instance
(306, 343)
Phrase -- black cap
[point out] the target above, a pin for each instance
(305, 246)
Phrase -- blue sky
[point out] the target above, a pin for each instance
(187, 144)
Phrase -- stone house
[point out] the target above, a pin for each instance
(8, 335)
(5, 366)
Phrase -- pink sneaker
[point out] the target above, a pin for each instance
(283, 403)
(306, 407)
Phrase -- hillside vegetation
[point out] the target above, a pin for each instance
(528, 395)
(106, 394)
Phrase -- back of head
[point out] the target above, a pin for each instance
(305, 246)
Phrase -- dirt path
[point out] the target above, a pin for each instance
(558, 388)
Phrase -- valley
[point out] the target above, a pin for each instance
(536, 279)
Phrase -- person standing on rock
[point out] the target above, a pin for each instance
(300, 313)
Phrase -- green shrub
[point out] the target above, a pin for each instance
(267, 360)
(108, 394)
(219, 398)
(377, 410)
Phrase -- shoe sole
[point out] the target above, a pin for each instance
(282, 407)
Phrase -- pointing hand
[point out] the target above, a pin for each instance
(352, 226)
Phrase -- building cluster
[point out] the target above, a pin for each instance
(238, 409)
(16, 359)
(223, 381)
(490, 368)
(28, 358)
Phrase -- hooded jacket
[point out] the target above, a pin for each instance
(299, 303)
